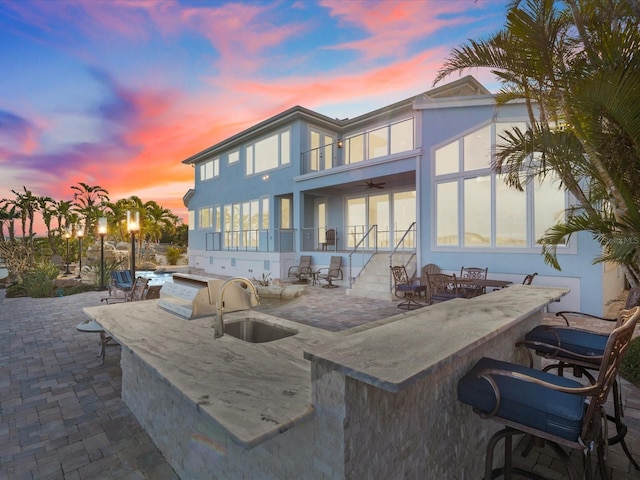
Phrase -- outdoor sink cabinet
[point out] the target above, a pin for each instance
(377, 401)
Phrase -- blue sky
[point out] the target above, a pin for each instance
(99, 91)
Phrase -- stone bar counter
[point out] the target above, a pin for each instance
(373, 402)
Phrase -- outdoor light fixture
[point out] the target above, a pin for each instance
(102, 231)
(339, 143)
(67, 236)
(133, 226)
(80, 234)
(265, 177)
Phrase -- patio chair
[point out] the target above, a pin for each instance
(302, 271)
(528, 280)
(407, 288)
(552, 408)
(470, 290)
(333, 271)
(443, 287)
(329, 238)
(120, 280)
(583, 351)
(136, 293)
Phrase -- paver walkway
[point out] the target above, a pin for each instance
(61, 416)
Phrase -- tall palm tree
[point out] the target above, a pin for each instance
(158, 219)
(26, 206)
(89, 201)
(46, 207)
(573, 62)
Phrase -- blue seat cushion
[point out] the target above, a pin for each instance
(575, 340)
(525, 402)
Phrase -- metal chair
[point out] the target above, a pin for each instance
(407, 288)
(302, 271)
(333, 271)
(443, 287)
(581, 350)
(555, 409)
(528, 280)
(120, 280)
(472, 273)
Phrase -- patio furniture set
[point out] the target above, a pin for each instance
(436, 286)
(305, 273)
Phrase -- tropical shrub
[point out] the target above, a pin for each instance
(173, 255)
(39, 282)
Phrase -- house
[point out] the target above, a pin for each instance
(410, 183)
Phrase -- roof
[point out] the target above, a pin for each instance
(465, 86)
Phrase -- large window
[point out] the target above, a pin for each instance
(380, 142)
(474, 208)
(242, 222)
(268, 153)
(210, 169)
(205, 217)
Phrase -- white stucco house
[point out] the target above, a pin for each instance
(412, 178)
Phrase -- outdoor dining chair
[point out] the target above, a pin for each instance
(120, 280)
(555, 409)
(470, 290)
(329, 238)
(407, 288)
(442, 287)
(582, 351)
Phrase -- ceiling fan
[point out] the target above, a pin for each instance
(371, 184)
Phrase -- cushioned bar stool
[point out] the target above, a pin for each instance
(555, 409)
(582, 351)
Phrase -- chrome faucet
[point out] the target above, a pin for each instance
(218, 324)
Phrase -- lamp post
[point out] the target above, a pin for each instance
(102, 231)
(133, 226)
(80, 234)
(67, 236)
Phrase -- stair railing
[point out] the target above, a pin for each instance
(401, 243)
(373, 231)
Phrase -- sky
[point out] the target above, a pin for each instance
(117, 93)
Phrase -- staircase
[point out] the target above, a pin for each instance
(375, 280)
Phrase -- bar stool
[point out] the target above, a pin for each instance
(555, 409)
(91, 326)
(582, 351)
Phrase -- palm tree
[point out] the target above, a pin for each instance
(576, 65)
(158, 219)
(46, 206)
(89, 201)
(26, 205)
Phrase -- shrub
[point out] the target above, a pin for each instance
(39, 282)
(630, 367)
(173, 255)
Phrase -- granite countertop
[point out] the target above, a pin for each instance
(393, 356)
(255, 391)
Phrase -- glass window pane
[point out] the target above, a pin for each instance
(266, 154)
(234, 157)
(404, 214)
(379, 214)
(285, 149)
(402, 136)
(354, 147)
(356, 220)
(477, 212)
(379, 142)
(477, 149)
(511, 215)
(447, 158)
(447, 213)
(285, 212)
(265, 213)
(549, 205)
(249, 160)
(191, 219)
(217, 224)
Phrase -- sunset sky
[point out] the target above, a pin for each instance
(117, 93)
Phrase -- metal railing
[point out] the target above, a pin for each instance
(363, 241)
(409, 237)
(255, 240)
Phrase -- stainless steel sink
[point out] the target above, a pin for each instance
(253, 330)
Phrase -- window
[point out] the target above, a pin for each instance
(191, 219)
(205, 217)
(268, 153)
(243, 221)
(217, 219)
(380, 142)
(210, 169)
(285, 212)
(475, 208)
(234, 157)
